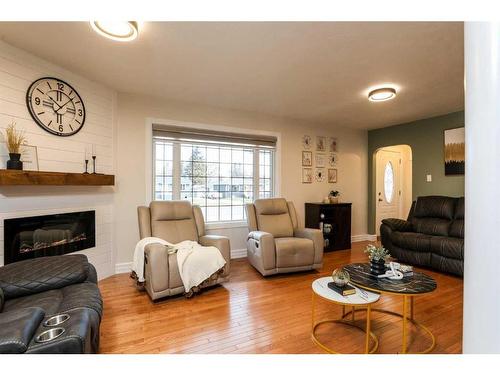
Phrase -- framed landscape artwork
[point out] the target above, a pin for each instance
(454, 151)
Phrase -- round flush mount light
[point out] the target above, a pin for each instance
(121, 31)
(382, 94)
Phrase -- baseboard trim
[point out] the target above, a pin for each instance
(127, 267)
(364, 237)
(123, 267)
(238, 253)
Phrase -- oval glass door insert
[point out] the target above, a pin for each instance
(389, 182)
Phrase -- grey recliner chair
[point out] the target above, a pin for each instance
(174, 221)
(276, 244)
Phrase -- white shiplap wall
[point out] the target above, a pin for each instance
(18, 69)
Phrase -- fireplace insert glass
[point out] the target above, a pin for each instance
(37, 236)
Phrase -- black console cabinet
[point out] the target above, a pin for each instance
(335, 222)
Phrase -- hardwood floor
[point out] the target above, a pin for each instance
(253, 314)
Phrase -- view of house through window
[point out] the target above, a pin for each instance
(220, 178)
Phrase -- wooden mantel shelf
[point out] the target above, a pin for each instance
(14, 177)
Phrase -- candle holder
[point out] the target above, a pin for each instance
(93, 162)
(86, 166)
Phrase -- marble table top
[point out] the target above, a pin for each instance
(320, 287)
(419, 283)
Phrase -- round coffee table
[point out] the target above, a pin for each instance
(320, 289)
(408, 288)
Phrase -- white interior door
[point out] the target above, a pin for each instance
(388, 186)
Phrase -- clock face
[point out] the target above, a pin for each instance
(56, 106)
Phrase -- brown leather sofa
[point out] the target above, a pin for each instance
(174, 221)
(276, 244)
(433, 235)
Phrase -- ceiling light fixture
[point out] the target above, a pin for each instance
(382, 94)
(121, 31)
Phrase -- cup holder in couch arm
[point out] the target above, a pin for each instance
(56, 320)
(49, 335)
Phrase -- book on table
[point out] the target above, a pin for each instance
(345, 290)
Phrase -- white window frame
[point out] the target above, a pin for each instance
(150, 175)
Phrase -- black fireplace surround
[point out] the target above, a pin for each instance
(39, 236)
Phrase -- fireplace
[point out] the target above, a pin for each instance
(39, 236)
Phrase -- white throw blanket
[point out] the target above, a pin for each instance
(196, 263)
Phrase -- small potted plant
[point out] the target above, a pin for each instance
(378, 255)
(14, 139)
(334, 196)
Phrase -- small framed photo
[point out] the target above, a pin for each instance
(307, 175)
(320, 160)
(321, 144)
(332, 175)
(306, 142)
(320, 174)
(307, 159)
(333, 159)
(29, 157)
(332, 144)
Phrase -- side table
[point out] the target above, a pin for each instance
(320, 290)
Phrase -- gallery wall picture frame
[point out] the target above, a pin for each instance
(454, 151)
(332, 144)
(29, 157)
(307, 158)
(333, 159)
(307, 175)
(320, 174)
(320, 160)
(306, 142)
(332, 175)
(320, 144)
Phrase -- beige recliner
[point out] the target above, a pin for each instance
(174, 221)
(276, 244)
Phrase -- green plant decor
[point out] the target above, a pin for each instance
(15, 139)
(334, 193)
(377, 253)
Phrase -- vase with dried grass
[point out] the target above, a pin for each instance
(15, 140)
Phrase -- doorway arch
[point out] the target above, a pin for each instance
(393, 183)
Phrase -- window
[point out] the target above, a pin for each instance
(388, 182)
(220, 177)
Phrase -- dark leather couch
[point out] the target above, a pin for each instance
(32, 291)
(433, 235)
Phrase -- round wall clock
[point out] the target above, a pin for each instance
(55, 106)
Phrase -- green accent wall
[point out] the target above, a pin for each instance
(426, 139)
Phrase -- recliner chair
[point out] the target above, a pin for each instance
(174, 221)
(276, 244)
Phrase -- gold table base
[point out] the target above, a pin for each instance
(351, 323)
(416, 323)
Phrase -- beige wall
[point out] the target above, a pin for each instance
(131, 189)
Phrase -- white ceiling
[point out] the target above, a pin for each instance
(317, 72)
